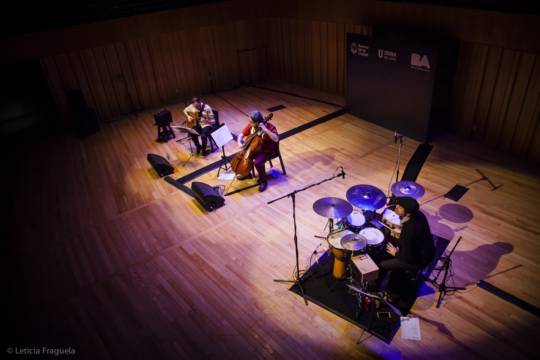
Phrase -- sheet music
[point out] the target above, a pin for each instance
(185, 128)
(410, 328)
(222, 136)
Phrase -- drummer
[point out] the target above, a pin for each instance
(415, 248)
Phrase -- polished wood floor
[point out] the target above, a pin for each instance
(106, 257)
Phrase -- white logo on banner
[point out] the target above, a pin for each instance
(420, 62)
(361, 50)
(387, 54)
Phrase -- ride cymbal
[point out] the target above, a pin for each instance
(332, 207)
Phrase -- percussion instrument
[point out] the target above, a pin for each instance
(341, 253)
(408, 188)
(391, 217)
(354, 242)
(332, 208)
(374, 238)
(355, 221)
(366, 197)
(369, 271)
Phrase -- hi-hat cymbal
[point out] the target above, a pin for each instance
(408, 188)
(331, 207)
(366, 197)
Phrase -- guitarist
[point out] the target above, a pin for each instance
(200, 117)
(258, 124)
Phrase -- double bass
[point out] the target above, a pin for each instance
(242, 162)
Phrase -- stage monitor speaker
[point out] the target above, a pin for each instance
(160, 164)
(207, 195)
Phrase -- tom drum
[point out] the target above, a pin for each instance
(375, 239)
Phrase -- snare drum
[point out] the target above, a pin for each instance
(375, 239)
(355, 221)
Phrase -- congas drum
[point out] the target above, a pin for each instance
(341, 255)
(355, 221)
(375, 239)
(355, 243)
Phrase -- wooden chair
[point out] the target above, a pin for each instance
(277, 154)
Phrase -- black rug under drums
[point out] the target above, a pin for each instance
(321, 288)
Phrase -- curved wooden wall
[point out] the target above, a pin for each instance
(496, 95)
(137, 74)
(146, 61)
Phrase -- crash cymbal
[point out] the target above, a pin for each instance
(354, 242)
(366, 197)
(408, 188)
(331, 207)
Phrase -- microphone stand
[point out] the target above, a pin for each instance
(292, 195)
(397, 137)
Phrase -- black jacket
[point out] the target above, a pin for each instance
(416, 246)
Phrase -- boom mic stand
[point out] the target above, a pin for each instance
(292, 195)
(447, 268)
(398, 139)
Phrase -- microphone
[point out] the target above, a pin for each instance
(342, 173)
(395, 136)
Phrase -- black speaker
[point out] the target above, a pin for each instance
(207, 195)
(160, 164)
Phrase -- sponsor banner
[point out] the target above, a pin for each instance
(390, 82)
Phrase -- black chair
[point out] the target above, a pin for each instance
(278, 155)
(163, 120)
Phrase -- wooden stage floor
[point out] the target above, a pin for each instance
(106, 257)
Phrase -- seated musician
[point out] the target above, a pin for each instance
(415, 248)
(201, 118)
(269, 136)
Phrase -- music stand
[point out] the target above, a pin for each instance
(187, 130)
(446, 268)
(221, 137)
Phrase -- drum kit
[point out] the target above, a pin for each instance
(356, 235)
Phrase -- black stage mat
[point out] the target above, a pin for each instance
(321, 288)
